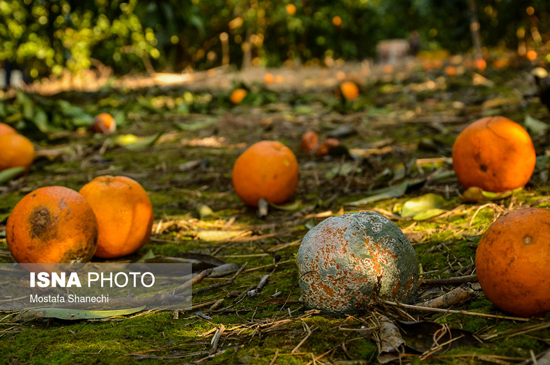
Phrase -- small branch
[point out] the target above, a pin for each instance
(455, 280)
(190, 283)
(254, 292)
(438, 310)
(225, 283)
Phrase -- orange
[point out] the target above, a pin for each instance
(267, 169)
(52, 225)
(450, 71)
(512, 262)
(310, 142)
(16, 151)
(388, 69)
(481, 64)
(290, 9)
(531, 55)
(237, 96)
(349, 90)
(337, 21)
(269, 78)
(495, 154)
(104, 124)
(124, 214)
(6, 129)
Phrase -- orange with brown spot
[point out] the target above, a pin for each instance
(267, 169)
(124, 213)
(52, 225)
(512, 262)
(16, 151)
(494, 154)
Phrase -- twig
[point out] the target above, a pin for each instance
(219, 285)
(274, 357)
(216, 339)
(254, 292)
(427, 309)
(304, 339)
(193, 281)
(455, 280)
(270, 265)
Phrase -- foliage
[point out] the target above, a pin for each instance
(174, 35)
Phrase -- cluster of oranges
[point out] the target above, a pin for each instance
(109, 217)
(497, 154)
(494, 154)
(17, 150)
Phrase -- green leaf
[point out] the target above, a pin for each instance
(197, 125)
(291, 207)
(425, 202)
(74, 314)
(4, 217)
(394, 191)
(143, 142)
(340, 170)
(10, 174)
(148, 256)
(428, 214)
(205, 211)
(40, 120)
(536, 127)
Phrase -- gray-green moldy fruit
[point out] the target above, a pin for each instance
(345, 260)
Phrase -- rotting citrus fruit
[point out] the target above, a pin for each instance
(327, 146)
(6, 129)
(346, 261)
(349, 90)
(512, 262)
(124, 213)
(52, 225)
(310, 142)
(104, 124)
(16, 151)
(267, 169)
(495, 154)
(237, 96)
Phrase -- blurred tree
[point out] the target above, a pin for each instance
(47, 35)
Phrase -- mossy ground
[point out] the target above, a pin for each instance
(415, 125)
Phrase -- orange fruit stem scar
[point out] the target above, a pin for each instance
(52, 225)
(494, 154)
(124, 213)
(267, 169)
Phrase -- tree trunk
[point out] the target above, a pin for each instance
(474, 27)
